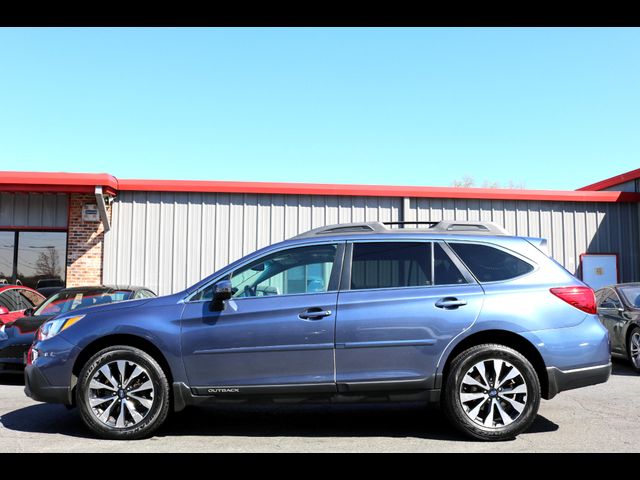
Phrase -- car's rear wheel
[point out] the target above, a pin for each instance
(123, 393)
(492, 392)
(633, 347)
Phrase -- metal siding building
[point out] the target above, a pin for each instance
(168, 234)
(168, 241)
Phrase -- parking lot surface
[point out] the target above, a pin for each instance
(601, 418)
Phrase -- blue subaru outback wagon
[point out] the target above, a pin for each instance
(459, 314)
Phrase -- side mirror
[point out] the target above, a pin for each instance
(221, 291)
(29, 312)
(3, 310)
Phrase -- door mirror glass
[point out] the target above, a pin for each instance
(221, 291)
(29, 312)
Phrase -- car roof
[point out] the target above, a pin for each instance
(104, 288)
(10, 287)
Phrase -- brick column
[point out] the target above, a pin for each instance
(84, 244)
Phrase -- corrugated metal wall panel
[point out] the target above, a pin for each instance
(169, 241)
(572, 228)
(38, 210)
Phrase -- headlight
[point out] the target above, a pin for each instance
(3, 335)
(53, 327)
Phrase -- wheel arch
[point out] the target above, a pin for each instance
(120, 339)
(508, 339)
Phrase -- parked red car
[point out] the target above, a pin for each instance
(15, 299)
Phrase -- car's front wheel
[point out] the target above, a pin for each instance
(633, 347)
(122, 393)
(492, 392)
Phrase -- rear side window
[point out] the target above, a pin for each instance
(490, 264)
(390, 264)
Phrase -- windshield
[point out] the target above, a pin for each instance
(632, 295)
(63, 302)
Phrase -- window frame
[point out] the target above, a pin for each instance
(334, 279)
(345, 281)
(508, 251)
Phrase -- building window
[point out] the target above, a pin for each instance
(33, 258)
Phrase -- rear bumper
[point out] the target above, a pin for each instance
(561, 380)
(38, 388)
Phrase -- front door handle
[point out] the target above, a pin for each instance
(314, 313)
(450, 303)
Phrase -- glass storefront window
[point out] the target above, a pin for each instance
(41, 258)
(7, 245)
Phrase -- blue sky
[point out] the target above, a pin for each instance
(553, 108)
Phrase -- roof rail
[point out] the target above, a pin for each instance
(443, 226)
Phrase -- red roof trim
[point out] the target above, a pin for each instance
(62, 182)
(372, 190)
(610, 182)
(86, 183)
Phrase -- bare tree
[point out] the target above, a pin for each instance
(467, 181)
(48, 263)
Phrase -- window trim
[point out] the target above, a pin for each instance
(508, 251)
(334, 279)
(345, 280)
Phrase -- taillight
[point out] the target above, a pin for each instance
(582, 298)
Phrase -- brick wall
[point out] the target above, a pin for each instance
(84, 244)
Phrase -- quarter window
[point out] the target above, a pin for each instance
(490, 264)
(390, 265)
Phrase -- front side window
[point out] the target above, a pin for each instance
(390, 265)
(490, 264)
(609, 299)
(297, 270)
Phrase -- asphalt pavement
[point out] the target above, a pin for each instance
(602, 418)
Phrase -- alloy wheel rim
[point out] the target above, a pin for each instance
(493, 393)
(635, 349)
(121, 394)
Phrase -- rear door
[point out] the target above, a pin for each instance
(400, 304)
(611, 313)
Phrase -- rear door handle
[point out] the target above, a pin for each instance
(450, 303)
(314, 313)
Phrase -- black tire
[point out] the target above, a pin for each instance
(634, 367)
(154, 416)
(456, 411)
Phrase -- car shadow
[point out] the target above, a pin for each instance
(622, 367)
(373, 420)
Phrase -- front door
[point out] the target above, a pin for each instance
(277, 331)
(403, 303)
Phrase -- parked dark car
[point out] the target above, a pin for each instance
(619, 312)
(15, 299)
(16, 337)
(49, 286)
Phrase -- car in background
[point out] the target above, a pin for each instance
(15, 299)
(16, 337)
(49, 286)
(619, 312)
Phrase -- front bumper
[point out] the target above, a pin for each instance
(37, 387)
(561, 380)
